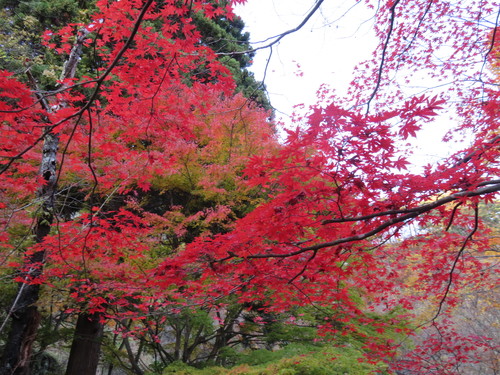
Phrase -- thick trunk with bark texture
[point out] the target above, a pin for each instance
(16, 358)
(86, 346)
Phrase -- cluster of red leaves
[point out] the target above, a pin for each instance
(341, 194)
(337, 221)
(162, 104)
(445, 352)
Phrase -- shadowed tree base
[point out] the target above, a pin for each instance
(86, 346)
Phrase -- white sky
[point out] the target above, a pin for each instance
(327, 48)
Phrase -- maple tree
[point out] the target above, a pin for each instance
(123, 168)
(192, 91)
(341, 188)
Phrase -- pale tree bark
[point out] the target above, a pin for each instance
(23, 313)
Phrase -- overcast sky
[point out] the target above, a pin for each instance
(327, 48)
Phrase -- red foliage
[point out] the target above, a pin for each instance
(341, 199)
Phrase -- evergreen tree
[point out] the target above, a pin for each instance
(22, 24)
(226, 37)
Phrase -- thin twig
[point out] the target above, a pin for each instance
(313, 255)
(450, 222)
(277, 38)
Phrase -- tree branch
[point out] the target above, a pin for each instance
(433, 205)
(455, 262)
(277, 38)
(384, 53)
(491, 187)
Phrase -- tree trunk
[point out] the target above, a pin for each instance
(23, 312)
(86, 346)
(25, 320)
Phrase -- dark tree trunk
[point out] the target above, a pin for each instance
(23, 313)
(86, 346)
(25, 320)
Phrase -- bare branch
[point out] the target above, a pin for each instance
(277, 38)
(303, 268)
(384, 54)
(414, 36)
(492, 43)
(433, 205)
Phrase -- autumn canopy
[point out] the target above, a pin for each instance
(144, 186)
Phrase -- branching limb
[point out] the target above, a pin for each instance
(492, 42)
(455, 262)
(414, 36)
(277, 38)
(313, 255)
(450, 222)
(425, 207)
(491, 187)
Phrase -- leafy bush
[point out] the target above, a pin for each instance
(317, 361)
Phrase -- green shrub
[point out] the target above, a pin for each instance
(318, 361)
